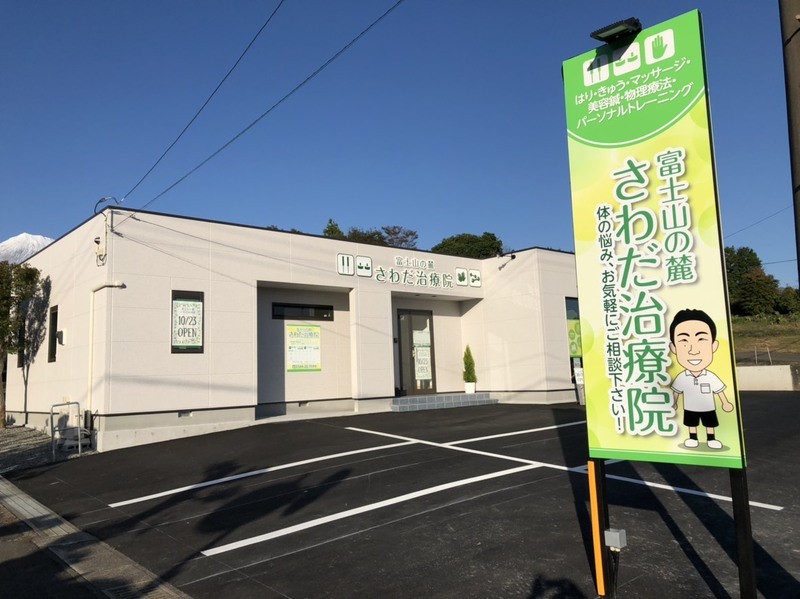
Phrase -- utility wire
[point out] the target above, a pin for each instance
(273, 107)
(758, 222)
(216, 89)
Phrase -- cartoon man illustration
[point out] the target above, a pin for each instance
(693, 340)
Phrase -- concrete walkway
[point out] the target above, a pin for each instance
(90, 562)
(42, 554)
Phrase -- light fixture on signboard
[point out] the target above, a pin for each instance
(617, 31)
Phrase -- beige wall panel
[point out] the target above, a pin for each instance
(155, 359)
(141, 325)
(231, 358)
(229, 327)
(231, 296)
(231, 390)
(372, 344)
(158, 393)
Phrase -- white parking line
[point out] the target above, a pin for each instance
(407, 441)
(219, 481)
(685, 491)
(525, 432)
(530, 465)
(450, 447)
(578, 469)
(360, 510)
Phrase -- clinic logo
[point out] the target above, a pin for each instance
(629, 59)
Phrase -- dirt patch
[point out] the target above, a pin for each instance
(22, 448)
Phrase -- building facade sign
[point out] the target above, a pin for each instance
(408, 271)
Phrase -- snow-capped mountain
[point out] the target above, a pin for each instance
(18, 249)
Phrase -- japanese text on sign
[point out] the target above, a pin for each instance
(641, 250)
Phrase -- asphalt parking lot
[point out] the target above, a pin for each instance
(488, 501)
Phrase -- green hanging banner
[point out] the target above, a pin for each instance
(655, 326)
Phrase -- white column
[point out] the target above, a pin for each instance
(371, 343)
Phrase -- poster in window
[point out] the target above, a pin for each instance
(303, 348)
(422, 363)
(187, 322)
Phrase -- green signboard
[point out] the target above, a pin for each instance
(654, 322)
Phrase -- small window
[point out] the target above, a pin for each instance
(573, 313)
(52, 334)
(301, 312)
(21, 346)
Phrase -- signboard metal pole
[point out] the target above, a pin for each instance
(599, 512)
(744, 533)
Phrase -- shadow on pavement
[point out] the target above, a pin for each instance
(574, 454)
(555, 588)
(773, 580)
(290, 495)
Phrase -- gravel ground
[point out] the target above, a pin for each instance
(22, 448)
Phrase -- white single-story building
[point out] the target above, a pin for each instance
(162, 326)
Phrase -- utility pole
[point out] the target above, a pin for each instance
(790, 37)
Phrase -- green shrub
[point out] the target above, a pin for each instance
(469, 367)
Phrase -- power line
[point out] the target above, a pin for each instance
(758, 222)
(325, 65)
(216, 89)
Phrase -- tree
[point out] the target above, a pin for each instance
(759, 293)
(34, 329)
(788, 301)
(393, 235)
(750, 290)
(400, 237)
(368, 236)
(19, 284)
(333, 230)
(738, 262)
(468, 245)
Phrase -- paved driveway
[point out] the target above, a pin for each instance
(487, 501)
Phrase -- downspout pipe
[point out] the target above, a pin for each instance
(90, 376)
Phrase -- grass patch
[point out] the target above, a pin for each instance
(766, 334)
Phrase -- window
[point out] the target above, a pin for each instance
(301, 312)
(573, 313)
(52, 334)
(21, 346)
(574, 330)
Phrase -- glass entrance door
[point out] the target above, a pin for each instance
(417, 371)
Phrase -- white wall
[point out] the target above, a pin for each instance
(514, 322)
(518, 333)
(73, 272)
(133, 369)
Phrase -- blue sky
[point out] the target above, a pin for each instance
(447, 117)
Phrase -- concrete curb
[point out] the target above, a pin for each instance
(103, 568)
